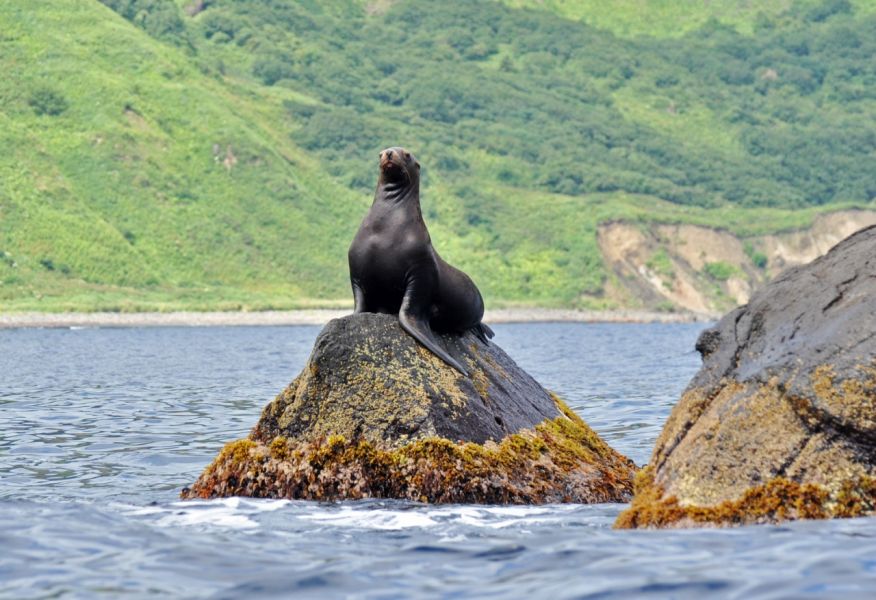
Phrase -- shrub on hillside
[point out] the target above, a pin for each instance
(271, 69)
(719, 270)
(159, 18)
(45, 101)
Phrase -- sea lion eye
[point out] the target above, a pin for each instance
(407, 156)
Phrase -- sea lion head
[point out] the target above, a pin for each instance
(399, 167)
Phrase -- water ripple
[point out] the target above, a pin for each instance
(102, 427)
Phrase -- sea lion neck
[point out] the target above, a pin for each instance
(398, 191)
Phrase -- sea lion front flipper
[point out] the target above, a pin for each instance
(418, 327)
(358, 298)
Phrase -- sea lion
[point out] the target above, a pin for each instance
(394, 269)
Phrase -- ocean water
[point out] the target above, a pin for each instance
(100, 428)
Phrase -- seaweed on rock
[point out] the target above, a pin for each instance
(561, 460)
(373, 415)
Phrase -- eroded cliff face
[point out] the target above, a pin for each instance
(704, 270)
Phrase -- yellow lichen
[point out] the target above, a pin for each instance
(481, 382)
(478, 374)
(853, 400)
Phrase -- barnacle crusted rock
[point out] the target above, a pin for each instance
(375, 415)
(780, 422)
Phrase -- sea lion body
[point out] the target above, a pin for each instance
(394, 269)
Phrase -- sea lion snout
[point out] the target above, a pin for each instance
(386, 159)
(397, 162)
(393, 155)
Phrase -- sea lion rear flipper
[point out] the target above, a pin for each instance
(484, 332)
(419, 329)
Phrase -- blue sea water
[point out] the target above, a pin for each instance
(100, 428)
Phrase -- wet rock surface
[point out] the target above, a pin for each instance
(780, 422)
(373, 414)
(368, 378)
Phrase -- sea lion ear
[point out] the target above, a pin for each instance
(418, 166)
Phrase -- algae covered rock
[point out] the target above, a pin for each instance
(373, 414)
(780, 422)
(366, 377)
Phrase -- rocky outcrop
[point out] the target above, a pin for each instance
(780, 422)
(373, 414)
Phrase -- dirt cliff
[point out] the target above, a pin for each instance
(705, 270)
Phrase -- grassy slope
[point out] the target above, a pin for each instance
(123, 201)
(126, 192)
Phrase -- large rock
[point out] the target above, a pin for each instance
(374, 414)
(368, 378)
(780, 422)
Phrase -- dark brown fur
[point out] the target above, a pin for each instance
(394, 268)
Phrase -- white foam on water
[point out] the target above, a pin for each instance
(232, 513)
(242, 513)
(452, 539)
(238, 503)
(498, 517)
(262, 505)
(218, 517)
(493, 517)
(373, 518)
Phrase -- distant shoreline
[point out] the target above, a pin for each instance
(322, 316)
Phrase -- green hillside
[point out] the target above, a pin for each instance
(220, 153)
(674, 18)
